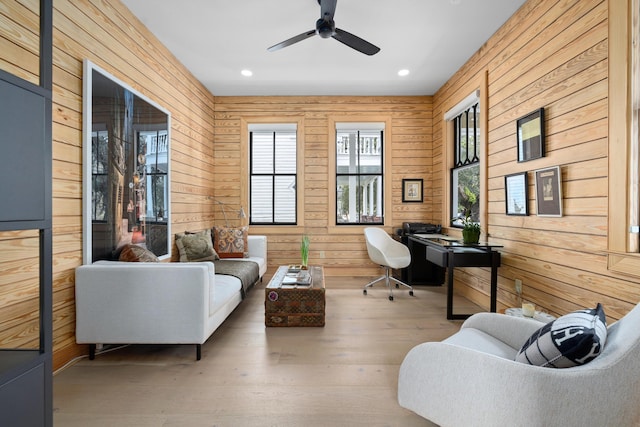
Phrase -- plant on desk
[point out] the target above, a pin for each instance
(470, 230)
(304, 251)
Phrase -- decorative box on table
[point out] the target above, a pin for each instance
(290, 300)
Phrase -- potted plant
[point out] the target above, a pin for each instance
(304, 251)
(470, 230)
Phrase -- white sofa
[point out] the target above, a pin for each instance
(157, 303)
(472, 379)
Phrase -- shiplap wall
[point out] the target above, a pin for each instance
(551, 54)
(554, 55)
(341, 251)
(19, 250)
(110, 36)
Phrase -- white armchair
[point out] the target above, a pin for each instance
(471, 379)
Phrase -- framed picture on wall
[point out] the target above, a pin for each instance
(549, 191)
(530, 135)
(515, 191)
(412, 190)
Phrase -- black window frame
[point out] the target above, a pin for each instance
(155, 179)
(99, 173)
(465, 158)
(273, 174)
(358, 176)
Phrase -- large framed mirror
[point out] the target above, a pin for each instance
(126, 173)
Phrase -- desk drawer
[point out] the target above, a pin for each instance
(437, 256)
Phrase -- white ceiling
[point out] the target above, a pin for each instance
(216, 39)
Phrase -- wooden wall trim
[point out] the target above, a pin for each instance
(332, 119)
(298, 120)
(622, 204)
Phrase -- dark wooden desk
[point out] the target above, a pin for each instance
(444, 252)
(419, 272)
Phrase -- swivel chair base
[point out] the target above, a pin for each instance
(387, 278)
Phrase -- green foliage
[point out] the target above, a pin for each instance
(304, 249)
(469, 224)
(469, 191)
(470, 230)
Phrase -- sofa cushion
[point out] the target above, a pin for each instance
(135, 253)
(231, 242)
(196, 247)
(573, 339)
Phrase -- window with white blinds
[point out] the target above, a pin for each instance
(273, 180)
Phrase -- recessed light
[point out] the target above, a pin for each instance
(246, 73)
(403, 72)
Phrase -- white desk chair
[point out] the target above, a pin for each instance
(388, 253)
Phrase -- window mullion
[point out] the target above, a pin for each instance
(475, 158)
(273, 177)
(468, 144)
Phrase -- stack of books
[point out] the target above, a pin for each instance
(297, 277)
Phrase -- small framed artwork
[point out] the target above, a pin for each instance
(515, 191)
(549, 191)
(530, 134)
(412, 190)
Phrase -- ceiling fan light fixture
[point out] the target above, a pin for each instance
(404, 72)
(326, 28)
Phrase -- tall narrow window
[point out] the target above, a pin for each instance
(359, 173)
(99, 174)
(465, 174)
(273, 195)
(153, 166)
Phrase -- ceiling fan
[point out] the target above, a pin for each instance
(326, 27)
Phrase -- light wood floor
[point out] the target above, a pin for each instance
(344, 374)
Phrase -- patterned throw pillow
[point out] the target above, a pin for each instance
(135, 253)
(571, 340)
(230, 242)
(195, 247)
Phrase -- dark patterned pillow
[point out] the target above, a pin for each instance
(135, 253)
(230, 242)
(571, 340)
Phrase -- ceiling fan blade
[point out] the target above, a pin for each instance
(355, 42)
(291, 41)
(327, 9)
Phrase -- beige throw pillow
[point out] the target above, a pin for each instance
(196, 247)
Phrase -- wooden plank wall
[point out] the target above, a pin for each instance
(20, 39)
(554, 55)
(19, 250)
(551, 54)
(342, 252)
(110, 36)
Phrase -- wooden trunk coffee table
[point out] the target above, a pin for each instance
(293, 305)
